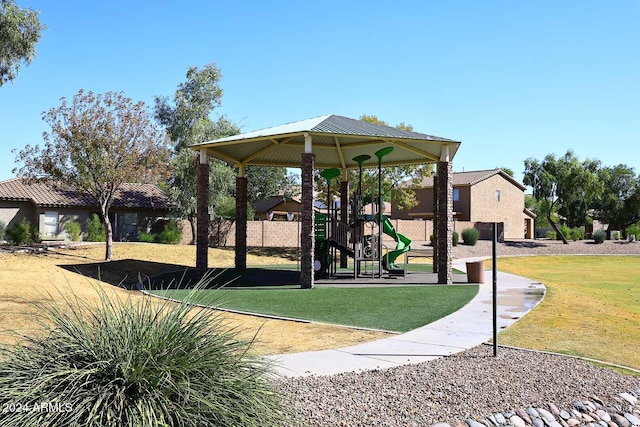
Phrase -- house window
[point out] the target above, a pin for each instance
(51, 223)
(456, 194)
(497, 195)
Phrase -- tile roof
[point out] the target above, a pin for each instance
(129, 195)
(470, 178)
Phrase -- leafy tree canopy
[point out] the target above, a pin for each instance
(19, 33)
(97, 143)
(565, 184)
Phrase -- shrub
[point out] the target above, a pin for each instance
(95, 229)
(566, 231)
(3, 227)
(576, 234)
(470, 236)
(146, 237)
(130, 361)
(172, 234)
(20, 234)
(551, 235)
(631, 230)
(599, 236)
(35, 234)
(73, 229)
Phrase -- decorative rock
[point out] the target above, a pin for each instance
(572, 422)
(546, 415)
(576, 414)
(597, 400)
(580, 407)
(516, 421)
(500, 419)
(493, 420)
(537, 422)
(603, 415)
(588, 418)
(525, 417)
(472, 423)
(565, 415)
(632, 419)
(532, 412)
(440, 425)
(620, 420)
(629, 398)
(553, 409)
(612, 424)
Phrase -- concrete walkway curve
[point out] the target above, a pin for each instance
(468, 327)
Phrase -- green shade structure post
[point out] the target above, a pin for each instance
(356, 214)
(380, 154)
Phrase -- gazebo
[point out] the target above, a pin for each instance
(328, 141)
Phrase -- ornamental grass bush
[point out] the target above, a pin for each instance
(470, 236)
(134, 362)
(599, 236)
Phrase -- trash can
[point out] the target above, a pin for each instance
(475, 272)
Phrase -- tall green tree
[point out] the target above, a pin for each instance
(565, 184)
(187, 119)
(619, 204)
(97, 143)
(19, 33)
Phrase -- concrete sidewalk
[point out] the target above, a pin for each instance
(470, 326)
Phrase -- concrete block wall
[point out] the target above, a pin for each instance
(287, 233)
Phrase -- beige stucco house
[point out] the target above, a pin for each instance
(480, 198)
(135, 207)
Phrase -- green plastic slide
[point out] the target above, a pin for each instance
(403, 244)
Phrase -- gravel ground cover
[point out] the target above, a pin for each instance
(463, 389)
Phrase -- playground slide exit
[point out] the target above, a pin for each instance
(403, 244)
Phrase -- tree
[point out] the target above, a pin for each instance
(19, 33)
(565, 184)
(187, 120)
(97, 143)
(508, 171)
(619, 204)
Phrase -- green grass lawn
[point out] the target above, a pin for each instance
(397, 308)
(591, 308)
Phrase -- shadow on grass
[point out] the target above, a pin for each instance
(135, 274)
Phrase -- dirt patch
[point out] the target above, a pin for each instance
(50, 274)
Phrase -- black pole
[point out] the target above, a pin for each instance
(495, 289)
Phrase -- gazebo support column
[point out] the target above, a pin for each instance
(241, 220)
(202, 215)
(434, 243)
(307, 235)
(344, 211)
(444, 221)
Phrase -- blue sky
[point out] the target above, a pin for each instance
(510, 79)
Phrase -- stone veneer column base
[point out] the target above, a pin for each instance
(241, 222)
(444, 217)
(307, 235)
(202, 222)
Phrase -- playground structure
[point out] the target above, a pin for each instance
(359, 235)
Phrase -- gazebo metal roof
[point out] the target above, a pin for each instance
(336, 140)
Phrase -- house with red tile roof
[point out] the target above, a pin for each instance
(135, 207)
